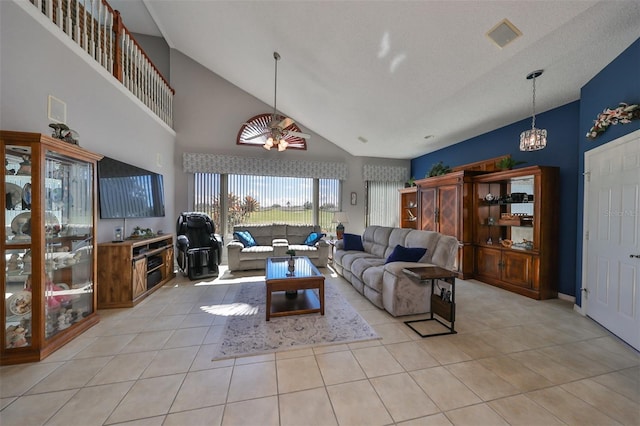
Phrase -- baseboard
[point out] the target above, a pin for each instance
(567, 298)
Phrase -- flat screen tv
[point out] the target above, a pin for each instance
(127, 191)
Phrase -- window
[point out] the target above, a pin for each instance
(266, 199)
(383, 200)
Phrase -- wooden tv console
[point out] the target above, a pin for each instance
(131, 270)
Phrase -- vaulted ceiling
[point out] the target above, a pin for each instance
(394, 72)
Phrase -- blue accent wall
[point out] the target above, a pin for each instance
(561, 151)
(617, 82)
(566, 144)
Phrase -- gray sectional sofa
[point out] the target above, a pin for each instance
(384, 284)
(273, 240)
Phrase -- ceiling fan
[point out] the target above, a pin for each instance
(279, 131)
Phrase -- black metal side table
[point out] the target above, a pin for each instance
(443, 307)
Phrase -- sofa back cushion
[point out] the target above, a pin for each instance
(375, 240)
(296, 234)
(441, 249)
(263, 234)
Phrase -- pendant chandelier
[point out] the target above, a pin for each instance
(534, 139)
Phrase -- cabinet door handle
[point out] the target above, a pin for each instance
(436, 215)
(634, 255)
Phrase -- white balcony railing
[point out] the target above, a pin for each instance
(99, 30)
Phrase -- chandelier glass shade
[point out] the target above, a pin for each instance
(533, 139)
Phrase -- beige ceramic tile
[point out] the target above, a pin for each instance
(295, 374)
(402, 397)
(330, 348)
(122, 368)
(473, 415)
(625, 382)
(393, 333)
(339, 367)
(547, 367)
(253, 381)
(171, 361)
(515, 373)
(91, 405)
(356, 403)
(210, 416)
(202, 389)
(623, 410)
(443, 350)
(73, 374)
(255, 359)
(187, 337)
(411, 356)
(444, 388)
(569, 408)
(162, 322)
(18, 379)
(377, 361)
(434, 420)
(261, 411)
(147, 398)
(473, 346)
(203, 360)
(309, 407)
(295, 353)
(148, 341)
(105, 346)
(520, 410)
(575, 361)
(481, 381)
(35, 410)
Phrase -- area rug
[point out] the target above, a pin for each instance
(247, 332)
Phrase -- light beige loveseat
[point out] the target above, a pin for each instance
(273, 240)
(385, 285)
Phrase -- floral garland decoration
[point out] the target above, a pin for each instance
(623, 114)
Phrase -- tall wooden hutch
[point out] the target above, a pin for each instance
(49, 259)
(516, 230)
(445, 204)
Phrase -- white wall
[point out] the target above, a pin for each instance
(209, 111)
(110, 121)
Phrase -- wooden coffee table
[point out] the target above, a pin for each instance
(299, 283)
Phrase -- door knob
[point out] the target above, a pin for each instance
(634, 255)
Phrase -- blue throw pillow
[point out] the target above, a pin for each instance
(352, 242)
(313, 238)
(245, 238)
(406, 254)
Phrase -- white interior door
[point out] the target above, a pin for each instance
(612, 222)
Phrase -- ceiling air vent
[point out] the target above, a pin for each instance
(503, 33)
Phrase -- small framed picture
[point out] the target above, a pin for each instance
(354, 198)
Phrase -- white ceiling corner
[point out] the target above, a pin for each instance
(393, 72)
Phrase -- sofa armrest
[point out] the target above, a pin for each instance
(339, 244)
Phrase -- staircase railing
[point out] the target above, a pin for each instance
(99, 30)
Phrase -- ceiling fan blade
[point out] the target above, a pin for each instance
(286, 123)
(257, 136)
(299, 134)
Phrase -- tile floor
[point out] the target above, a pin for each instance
(514, 361)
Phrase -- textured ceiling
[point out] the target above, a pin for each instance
(392, 72)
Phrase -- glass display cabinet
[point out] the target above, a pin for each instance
(48, 243)
(516, 230)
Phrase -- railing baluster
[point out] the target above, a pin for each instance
(99, 31)
(77, 26)
(58, 9)
(67, 22)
